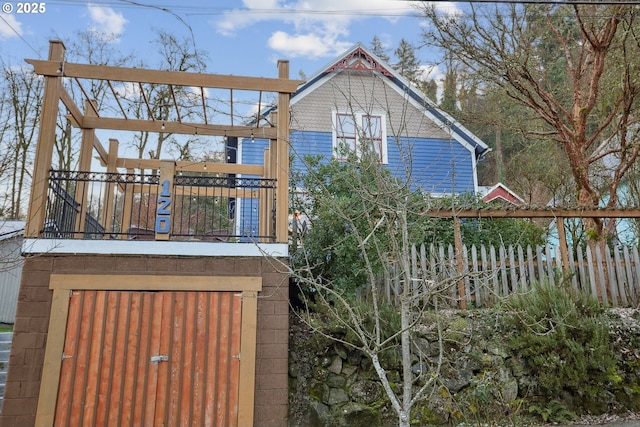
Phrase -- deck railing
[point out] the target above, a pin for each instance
(195, 206)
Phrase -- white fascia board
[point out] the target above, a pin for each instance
(171, 248)
(437, 121)
(311, 88)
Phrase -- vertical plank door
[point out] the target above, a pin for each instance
(150, 359)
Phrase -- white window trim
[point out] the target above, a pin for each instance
(358, 118)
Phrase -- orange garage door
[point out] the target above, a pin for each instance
(150, 359)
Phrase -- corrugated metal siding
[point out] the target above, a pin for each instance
(10, 272)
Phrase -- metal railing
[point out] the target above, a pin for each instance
(196, 206)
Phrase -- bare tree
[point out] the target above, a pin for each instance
(19, 115)
(377, 214)
(5, 152)
(95, 48)
(573, 66)
(365, 220)
(162, 103)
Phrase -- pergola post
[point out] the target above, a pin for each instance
(266, 197)
(46, 139)
(282, 158)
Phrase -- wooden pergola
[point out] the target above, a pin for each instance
(55, 69)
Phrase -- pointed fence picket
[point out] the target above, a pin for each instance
(487, 274)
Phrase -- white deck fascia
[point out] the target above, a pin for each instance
(164, 248)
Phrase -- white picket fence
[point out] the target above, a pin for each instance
(481, 276)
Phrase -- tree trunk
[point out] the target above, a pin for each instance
(404, 419)
(499, 174)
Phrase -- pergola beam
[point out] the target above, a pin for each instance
(185, 166)
(537, 213)
(74, 111)
(175, 127)
(177, 78)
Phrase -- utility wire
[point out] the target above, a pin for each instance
(179, 18)
(549, 2)
(192, 10)
(20, 35)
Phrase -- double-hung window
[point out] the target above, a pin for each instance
(359, 133)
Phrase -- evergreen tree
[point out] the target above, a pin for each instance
(408, 65)
(450, 89)
(430, 88)
(379, 49)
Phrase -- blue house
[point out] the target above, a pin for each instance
(359, 99)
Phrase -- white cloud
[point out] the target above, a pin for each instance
(309, 12)
(106, 21)
(126, 89)
(308, 45)
(319, 28)
(429, 72)
(10, 27)
(316, 28)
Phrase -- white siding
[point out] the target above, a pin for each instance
(361, 93)
(10, 272)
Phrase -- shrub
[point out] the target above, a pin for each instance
(561, 337)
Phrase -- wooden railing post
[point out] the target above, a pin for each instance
(84, 164)
(264, 217)
(165, 201)
(108, 205)
(127, 207)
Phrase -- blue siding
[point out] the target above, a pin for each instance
(302, 144)
(309, 143)
(248, 219)
(434, 165)
(252, 154)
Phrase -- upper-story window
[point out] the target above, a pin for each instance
(359, 133)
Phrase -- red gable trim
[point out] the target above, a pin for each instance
(501, 193)
(359, 60)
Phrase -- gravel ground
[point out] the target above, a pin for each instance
(607, 420)
(630, 420)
